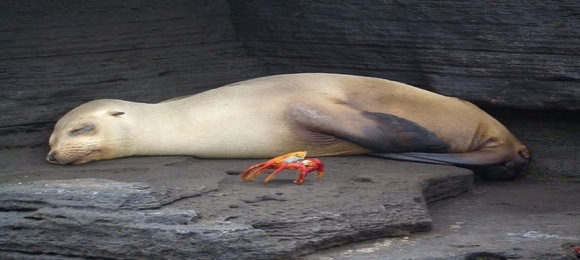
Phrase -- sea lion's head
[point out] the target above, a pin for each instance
(90, 132)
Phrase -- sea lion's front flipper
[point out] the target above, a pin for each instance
(406, 157)
(474, 158)
(488, 165)
(378, 132)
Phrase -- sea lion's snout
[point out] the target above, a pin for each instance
(50, 158)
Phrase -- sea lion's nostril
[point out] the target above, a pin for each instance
(50, 157)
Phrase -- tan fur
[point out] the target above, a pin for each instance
(250, 119)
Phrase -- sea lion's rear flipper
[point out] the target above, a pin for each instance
(378, 132)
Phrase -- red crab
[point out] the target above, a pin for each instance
(292, 161)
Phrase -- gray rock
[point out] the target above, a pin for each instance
(509, 54)
(127, 235)
(110, 219)
(523, 219)
(57, 56)
(83, 193)
(215, 215)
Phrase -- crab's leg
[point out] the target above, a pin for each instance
(303, 171)
(250, 176)
(247, 171)
(280, 168)
(251, 168)
(320, 173)
(319, 167)
(308, 166)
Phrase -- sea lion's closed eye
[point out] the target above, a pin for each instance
(86, 128)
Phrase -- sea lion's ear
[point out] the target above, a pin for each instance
(116, 113)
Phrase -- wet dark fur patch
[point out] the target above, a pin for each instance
(395, 134)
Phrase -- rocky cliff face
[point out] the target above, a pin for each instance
(513, 54)
(57, 55)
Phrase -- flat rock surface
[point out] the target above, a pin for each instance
(523, 219)
(155, 206)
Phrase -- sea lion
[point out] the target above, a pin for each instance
(324, 114)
